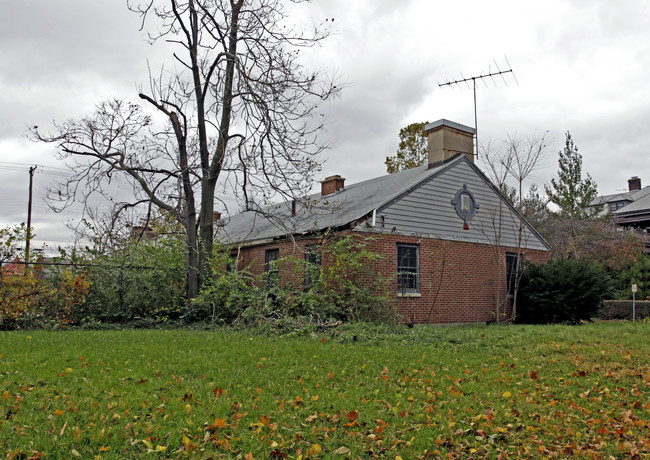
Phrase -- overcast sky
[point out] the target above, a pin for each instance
(580, 65)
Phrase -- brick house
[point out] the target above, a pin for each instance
(448, 238)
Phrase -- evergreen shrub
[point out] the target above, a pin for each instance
(561, 291)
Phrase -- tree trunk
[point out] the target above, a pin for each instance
(193, 277)
(206, 228)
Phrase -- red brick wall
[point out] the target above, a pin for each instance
(460, 282)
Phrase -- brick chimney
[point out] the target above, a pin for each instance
(634, 183)
(332, 184)
(448, 138)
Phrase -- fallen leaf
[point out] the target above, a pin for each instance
(352, 415)
(218, 423)
(342, 451)
(315, 449)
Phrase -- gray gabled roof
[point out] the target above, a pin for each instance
(622, 196)
(640, 204)
(639, 200)
(318, 212)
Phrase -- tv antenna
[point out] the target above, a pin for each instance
(481, 77)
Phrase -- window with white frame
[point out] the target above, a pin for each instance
(408, 268)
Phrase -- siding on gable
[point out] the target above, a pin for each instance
(427, 210)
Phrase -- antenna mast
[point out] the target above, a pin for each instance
(482, 77)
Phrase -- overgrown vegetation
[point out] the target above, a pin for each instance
(358, 391)
(136, 280)
(35, 295)
(141, 282)
(345, 288)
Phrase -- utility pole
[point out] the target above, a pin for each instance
(29, 213)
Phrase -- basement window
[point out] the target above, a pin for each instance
(408, 269)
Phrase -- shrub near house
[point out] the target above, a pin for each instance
(562, 291)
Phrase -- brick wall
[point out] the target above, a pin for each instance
(460, 282)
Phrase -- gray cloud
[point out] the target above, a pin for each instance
(581, 65)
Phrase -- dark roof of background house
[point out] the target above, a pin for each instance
(640, 200)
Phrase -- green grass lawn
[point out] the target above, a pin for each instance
(356, 392)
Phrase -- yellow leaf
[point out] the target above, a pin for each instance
(315, 449)
(160, 448)
(507, 394)
(147, 443)
(67, 369)
(186, 440)
(218, 423)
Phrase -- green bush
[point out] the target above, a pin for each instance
(561, 291)
(350, 285)
(224, 298)
(138, 279)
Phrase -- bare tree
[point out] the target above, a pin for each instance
(238, 112)
(525, 153)
(496, 164)
(513, 163)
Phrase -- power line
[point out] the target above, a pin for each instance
(29, 165)
(107, 266)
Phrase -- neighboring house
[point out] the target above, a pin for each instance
(436, 226)
(630, 210)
